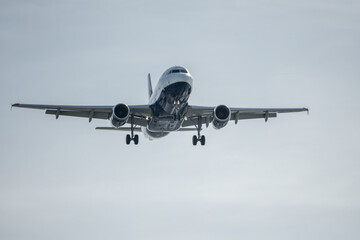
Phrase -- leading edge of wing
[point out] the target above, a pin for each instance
(274, 110)
(200, 110)
(64, 107)
(135, 109)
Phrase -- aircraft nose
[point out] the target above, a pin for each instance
(186, 78)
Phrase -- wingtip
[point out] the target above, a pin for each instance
(307, 110)
(14, 105)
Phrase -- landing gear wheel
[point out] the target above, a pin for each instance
(198, 138)
(128, 139)
(136, 139)
(202, 140)
(194, 140)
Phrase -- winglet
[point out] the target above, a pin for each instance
(307, 110)
(14, 105)
(149, 86)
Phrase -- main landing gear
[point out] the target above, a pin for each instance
(131, 137)
(198, 138)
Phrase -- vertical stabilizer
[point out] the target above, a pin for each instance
(149, 86)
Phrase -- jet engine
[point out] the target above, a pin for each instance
(120, 115)
(222, 116)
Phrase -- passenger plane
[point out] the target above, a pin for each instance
(167, 111)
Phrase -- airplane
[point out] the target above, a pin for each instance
(167, 111)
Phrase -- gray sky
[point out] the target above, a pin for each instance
(295, 177)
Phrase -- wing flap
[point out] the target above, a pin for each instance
(83, 114)
(243, 116)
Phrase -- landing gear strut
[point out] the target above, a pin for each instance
(131, 137)
(198, 138)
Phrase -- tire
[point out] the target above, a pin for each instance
(128, 139)
(136, 139)
(202, 140)
(194, 140)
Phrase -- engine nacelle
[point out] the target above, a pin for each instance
(120, 115)
(222, 115)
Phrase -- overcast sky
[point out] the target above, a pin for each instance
(294, 177)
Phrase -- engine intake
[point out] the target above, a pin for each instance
(222, 115)
(120, 115)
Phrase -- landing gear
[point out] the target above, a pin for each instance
(198, 138)
(202, 140)
(131, 137)
(136, 139)
(195, 140)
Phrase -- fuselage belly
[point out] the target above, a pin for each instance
(169, 102)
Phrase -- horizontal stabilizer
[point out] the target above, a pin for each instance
(137, 129)
(187, 129)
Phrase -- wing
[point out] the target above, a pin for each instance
(206, 114)
(140, 112)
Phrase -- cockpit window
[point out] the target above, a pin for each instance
(177, 71)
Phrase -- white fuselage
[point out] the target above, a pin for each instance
(169, 102)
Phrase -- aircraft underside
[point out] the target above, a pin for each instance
(170, 109)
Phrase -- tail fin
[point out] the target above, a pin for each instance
(149, 86)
